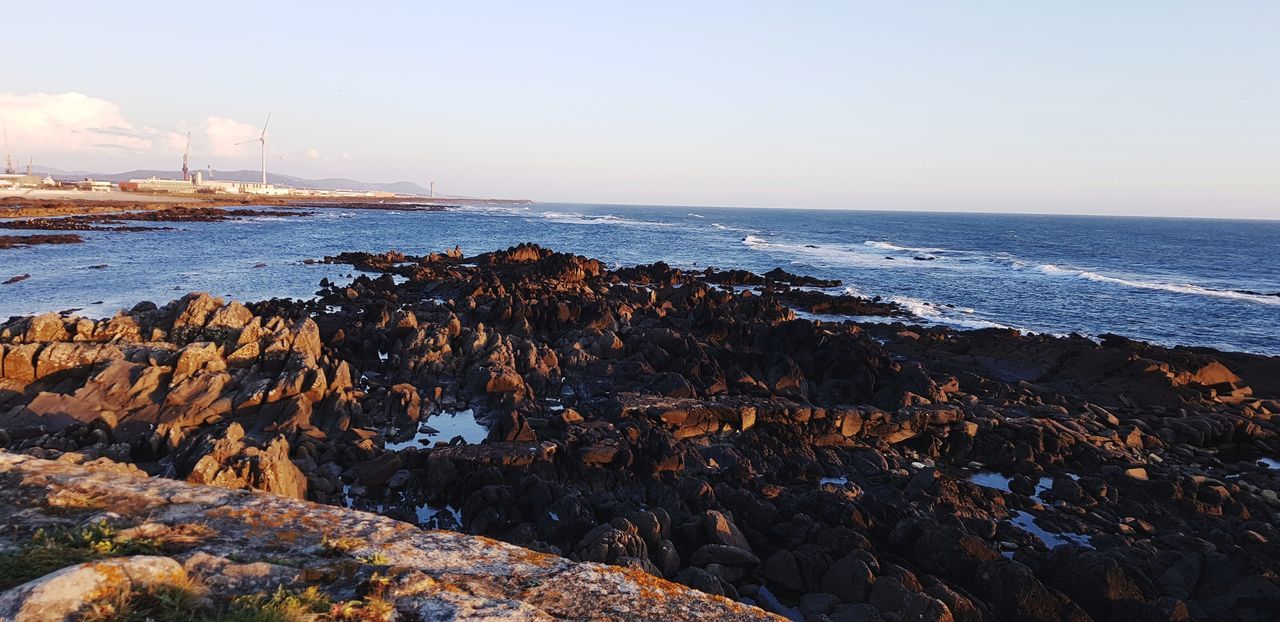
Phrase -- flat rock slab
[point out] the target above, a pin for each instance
(459, 577)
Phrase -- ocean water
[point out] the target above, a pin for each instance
(1171, 281)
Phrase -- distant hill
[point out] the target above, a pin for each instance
(331, 183)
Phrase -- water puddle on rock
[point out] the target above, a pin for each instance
(767, 601)
(439, 517)
(1045, 483)
(1270, 463)
(838, 481)
(1024, 520)
(445, 426)
(996, 481)
(991, 479)
(1028, 524)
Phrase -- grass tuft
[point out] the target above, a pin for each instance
(338, 547)
(188, 602)
(51, 550)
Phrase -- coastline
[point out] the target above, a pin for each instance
(121, 212)
(74, 203)
(673, 422)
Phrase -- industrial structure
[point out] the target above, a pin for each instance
(8, 158)
(190, 184)
(196, 184)
(186, 155)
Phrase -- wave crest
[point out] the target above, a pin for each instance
(1178, 288)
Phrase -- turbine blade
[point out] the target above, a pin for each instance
(264, 125)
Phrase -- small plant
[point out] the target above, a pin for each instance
(180, 600)
(378, 558)
(52, 550)
(337, 547)
(280, 606)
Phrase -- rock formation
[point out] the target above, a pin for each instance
(240, 544)
(689, 426)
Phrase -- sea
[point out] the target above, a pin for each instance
(1195, 282)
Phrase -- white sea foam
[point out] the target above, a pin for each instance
(575, 218)
(936, 314)
(693, 215)
(716, 225)
(1179, 288)
(835, 255)
(890, 246)
(951, 259)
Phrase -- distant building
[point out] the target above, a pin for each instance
(15, 180)
(153, 184)
(90, 185)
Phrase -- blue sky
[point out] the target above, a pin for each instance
(1140, 107)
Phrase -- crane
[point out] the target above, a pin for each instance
(8, 159)
(186, 154)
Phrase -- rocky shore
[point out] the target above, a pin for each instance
(159, 213)
(691, 427)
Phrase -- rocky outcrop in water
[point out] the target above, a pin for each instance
(18, 241)
(689, 426)
(120, 221)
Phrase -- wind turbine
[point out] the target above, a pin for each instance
(263, 141)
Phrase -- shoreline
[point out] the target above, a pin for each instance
(32, 203)
(116, 213)
(659, 419)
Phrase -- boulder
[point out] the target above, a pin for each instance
(67, 593)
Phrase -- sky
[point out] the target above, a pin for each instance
(1143, 107)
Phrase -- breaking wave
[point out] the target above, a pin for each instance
(575, 218)
(1179, 288)
(941, 314)
(834, 255)
(890, 246)
(973, 260)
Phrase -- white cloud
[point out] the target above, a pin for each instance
(85, 132)
(76, 123)
(223, 135)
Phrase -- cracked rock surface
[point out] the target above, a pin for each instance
(253, 542)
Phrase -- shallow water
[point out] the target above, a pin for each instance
(439, 517)
(991, 479)
(444, 426)
(1172, 281)
(769, 602)
(1052, 540)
